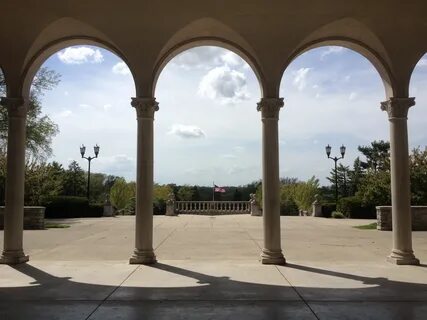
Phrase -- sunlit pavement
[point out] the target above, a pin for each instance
(208, 269)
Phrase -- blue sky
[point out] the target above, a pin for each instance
(207, 128)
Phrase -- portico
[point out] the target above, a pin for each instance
(269, 38)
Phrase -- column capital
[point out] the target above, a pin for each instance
(145, 107)
(16, 107)
(397, 108)
(270, 107)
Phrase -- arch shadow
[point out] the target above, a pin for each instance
(214, 294)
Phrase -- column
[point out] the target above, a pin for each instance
(144, 253)
(272, 251)
(13, 252)
(397, 109)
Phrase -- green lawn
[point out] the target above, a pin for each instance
(52, 225)
(371, 226)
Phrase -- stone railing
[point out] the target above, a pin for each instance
(211, 207)
(33, 218)
(419, 218)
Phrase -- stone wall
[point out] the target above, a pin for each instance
(33, 218)
(419, 218)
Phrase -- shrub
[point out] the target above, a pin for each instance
(352, 207)
(337, 215)
(327, 209)
(70, 207)
(121, 193)
(96, 210)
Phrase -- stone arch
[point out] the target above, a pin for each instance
(207, 32)
(49, 49)
(59, 34)
(351, 34)
(369, 54)
(414, 65)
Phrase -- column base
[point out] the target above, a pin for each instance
(13, 257)
(272, 257)
(402, 258)
(143, 257)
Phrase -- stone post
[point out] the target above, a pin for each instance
(397, 109)
(144, 253)
(271, 252)
(170, 205)
(13, 252)
(255, 210)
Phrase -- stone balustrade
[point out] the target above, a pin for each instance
(33, 218)
(212, 207)
(419, 218)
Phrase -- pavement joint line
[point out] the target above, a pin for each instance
(249, 235)
(112, 292)
(166, 238)
(296, 291)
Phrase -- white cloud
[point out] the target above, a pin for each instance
(64, 114)
(228, 156)
(208, 58)
(331, 50)
(121, 68)
(225, 84)
(352, 96)
(107, 106)
(186, 131)
(300, 78)
(85, 106)
(80, 55)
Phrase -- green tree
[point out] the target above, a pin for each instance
(375, 189)
(185, 193)
(122, 193)
(98, 189)
(377, 156)
(355, 177)
(304, 193)
(418, 165)
(343, 177)
(160, 196)
(74, 180)
(42, 181)
(40, 128)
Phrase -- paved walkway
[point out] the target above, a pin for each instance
(208, 269)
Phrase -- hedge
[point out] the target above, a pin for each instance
(327, 209)
(71, 207)
(352, 207)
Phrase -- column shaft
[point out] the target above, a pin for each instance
(144, 253)
(272, 252)
(13, 252)
(397, 109)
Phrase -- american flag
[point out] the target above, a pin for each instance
(218, 189)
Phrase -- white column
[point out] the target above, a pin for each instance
(397, 109)
(144, 253)
(272, 251)
(13, 252)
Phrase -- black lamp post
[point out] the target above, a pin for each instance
(89, 159)
(328, 149)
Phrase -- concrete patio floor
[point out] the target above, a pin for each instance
(208, 269)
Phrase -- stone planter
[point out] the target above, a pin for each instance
(419, 218)
(33, 218)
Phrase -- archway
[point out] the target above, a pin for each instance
(208, 128)
(332, 96)
(217, 100)
(88, 111)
